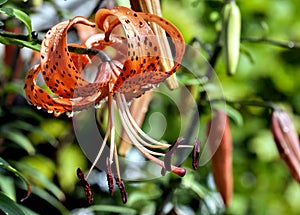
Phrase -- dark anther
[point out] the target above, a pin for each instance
(109, 176)
(169, 154)
(121, 186)
(85, 185)
(196, 154)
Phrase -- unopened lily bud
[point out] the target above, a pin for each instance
(221, 161)
(231, 35)
(287, 141)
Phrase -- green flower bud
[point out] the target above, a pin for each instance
(231, 35)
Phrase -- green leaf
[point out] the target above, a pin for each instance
(235, 115)
(20, 15)
(36, 134)
(50, 199)
(20, 139)
(189, 182)
(8, 206)
(27, 112)
(13, 41)
(113, 209)
(41, 179)
(9, 168)
(3, 1)
(27, 211)
(7, 185)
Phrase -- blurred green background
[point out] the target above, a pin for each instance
(45, 151)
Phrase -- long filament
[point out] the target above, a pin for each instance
(101, 150)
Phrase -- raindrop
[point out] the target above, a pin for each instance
(70, 114)
(57, 113)
(291, 44)
(46, 43)
(99, 105)
(129, 103)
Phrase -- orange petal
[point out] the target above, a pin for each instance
(141, 69)
(62, 75)
(174, 34)
(41, 99)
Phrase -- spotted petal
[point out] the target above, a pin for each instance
(42, 99)
(141, 70)
(62, 75)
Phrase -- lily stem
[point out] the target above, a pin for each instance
(283, 44)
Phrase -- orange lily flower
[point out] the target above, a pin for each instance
(133, 70)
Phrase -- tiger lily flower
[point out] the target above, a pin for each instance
(118, 79)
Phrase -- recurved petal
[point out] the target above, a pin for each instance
(141, 70)
(61, 73)
(57, 105)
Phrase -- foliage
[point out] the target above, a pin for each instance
(42, 150)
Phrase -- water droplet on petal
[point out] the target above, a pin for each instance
(46, 43)
(99, 105)
(285, 129)
(57, 113)
(129, 103)
(70, 114)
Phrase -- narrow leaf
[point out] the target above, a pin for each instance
(50, 199)
(9, 168)
(29, 44)
(8, 206)
(113, 209)
(20, 139)
(20, 15)
(42, 180)
(3, 1)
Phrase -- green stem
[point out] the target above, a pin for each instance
(283, 44)
(14, 36)
(22, 40)
(264, 104)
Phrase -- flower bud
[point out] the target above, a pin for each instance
(221, 161)
(287, 141)
(231, 35)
